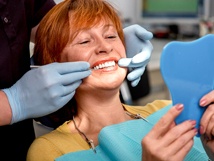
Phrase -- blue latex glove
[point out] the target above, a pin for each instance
(138, 52)
(46, 89)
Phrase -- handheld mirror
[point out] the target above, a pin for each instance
(187, 69)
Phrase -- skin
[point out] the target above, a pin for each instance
(207, 121)
(98, 45)
(5, 110)
(166, 141)
(100, 91)
(169, 142)
(98, 97)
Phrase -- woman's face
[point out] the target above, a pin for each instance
(101, 47)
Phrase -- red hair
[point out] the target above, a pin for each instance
(65, 20)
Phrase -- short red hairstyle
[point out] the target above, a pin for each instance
(65, 20)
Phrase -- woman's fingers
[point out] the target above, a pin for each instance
(166, 122)
(186, 129)
(158, 149)
(167, 141)
(180, 154)
(209, 127)
(207, 99)
(207, 120)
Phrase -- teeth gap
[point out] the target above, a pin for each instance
(105, 65)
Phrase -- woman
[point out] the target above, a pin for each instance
(90, 30)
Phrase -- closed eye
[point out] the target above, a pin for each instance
(84, 42)
(112, 37)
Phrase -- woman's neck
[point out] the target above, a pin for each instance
(96, 112)
(99, 105)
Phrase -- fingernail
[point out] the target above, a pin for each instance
(203, 102)
(193, 122)
(201, 129)
(179, 107)
(196, 131)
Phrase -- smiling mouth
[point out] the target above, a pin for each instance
(104, 65)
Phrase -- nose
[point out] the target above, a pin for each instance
(103, 46)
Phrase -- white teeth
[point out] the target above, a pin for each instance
(105, 65)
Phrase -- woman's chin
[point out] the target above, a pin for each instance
(102, 84)
(104, 81)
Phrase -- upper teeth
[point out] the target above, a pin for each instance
(105, 65)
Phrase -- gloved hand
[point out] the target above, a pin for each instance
(46, 89)
(138, 52)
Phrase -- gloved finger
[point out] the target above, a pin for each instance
(70, 78)
(135, 82)
(68, 67)
(135, 73)
(127, 62)
(124, 62)
(64, 94)
(143, 34)
(65, 99)
(142, 57)
(71, 88)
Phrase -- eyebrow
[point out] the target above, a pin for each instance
(108, 25)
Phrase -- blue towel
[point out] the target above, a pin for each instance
(122, 142)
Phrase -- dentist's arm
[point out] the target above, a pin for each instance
(42, 91)
(5, 110)
(138, 51)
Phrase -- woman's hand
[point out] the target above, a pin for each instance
(167, 141)
(207, 120)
